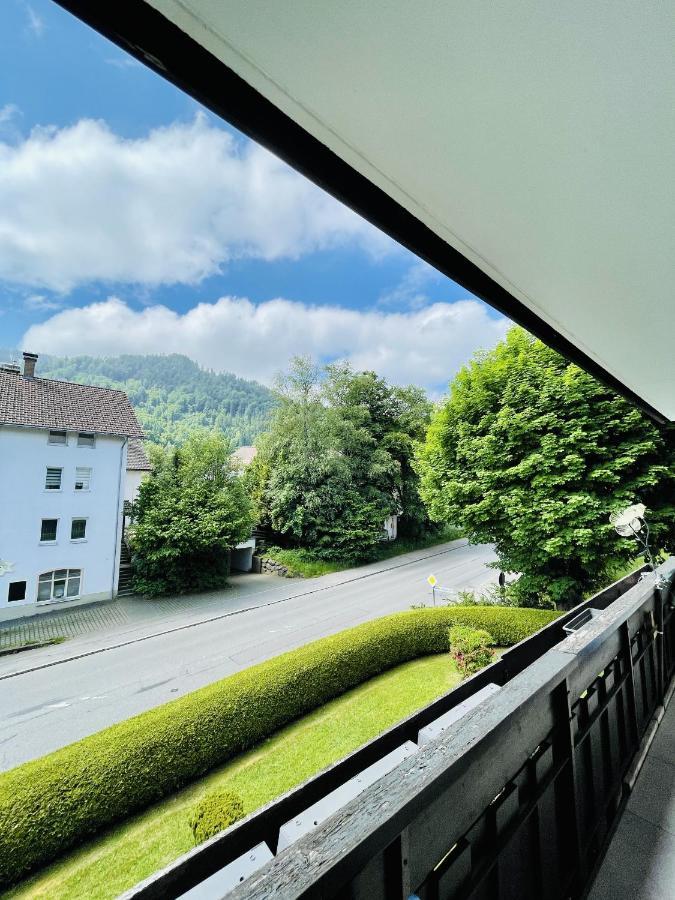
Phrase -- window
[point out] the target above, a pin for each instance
(58, 437)
(78, 529)
(82, 478)
(59, 584)
(53, 479)
(48, 530)
(17, 591)
(85, 440)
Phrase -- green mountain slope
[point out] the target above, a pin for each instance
(172, 394)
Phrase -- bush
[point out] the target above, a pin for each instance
(470, 648)
(507, 625)
(51, 804)
(214, 813)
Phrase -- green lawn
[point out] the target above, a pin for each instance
(130, 852)
(301, 562)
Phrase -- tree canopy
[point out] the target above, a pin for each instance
(531, 453)
(189, 513)
(336, 460)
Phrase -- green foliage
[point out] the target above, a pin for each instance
(189, 511)
(337, 461)
(172, 396)
(507, 625)
(214, 813)
(532, 454)
(302, 563)
(470, 648)
(54, 803)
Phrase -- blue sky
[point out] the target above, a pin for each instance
(132, 220)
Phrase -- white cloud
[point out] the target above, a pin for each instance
(410, 292)
(123, 61)
(35, 22)
(41, 302)
(80, 204)
(9, 129)
(425, 347)
(8, 112)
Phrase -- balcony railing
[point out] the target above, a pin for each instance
(517, 802)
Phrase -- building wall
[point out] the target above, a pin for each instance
(132, 483)
(25, 455)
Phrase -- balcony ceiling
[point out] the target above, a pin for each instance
(534, 140)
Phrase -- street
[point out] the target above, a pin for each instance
(61, 699)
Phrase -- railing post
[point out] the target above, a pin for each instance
(661, 593)
(632, 698)
(567, 797)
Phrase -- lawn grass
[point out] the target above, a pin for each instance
(302, 563)
(125, 855)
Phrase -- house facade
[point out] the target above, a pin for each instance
(63, 459)
(138, 469)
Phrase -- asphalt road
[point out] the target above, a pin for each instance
(47, 708)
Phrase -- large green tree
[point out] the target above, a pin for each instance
(189, 513)
(337, 460)
(531, 453)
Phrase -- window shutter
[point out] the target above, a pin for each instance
(82, 478)
(53, 479)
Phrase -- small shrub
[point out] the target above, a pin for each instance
(470, 648)
(214, 813)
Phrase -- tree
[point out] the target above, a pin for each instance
(531, 453)
(189, 513)
(336, 460)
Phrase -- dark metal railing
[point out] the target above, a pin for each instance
(518, 802)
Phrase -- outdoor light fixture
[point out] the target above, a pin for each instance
(631, 523)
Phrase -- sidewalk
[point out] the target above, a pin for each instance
(125, 615)
(103, 625)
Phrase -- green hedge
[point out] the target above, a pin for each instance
(54, 803)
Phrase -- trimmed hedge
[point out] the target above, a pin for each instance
(470, 648)
(54, 803)
(214, 813)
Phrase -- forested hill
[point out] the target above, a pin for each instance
(172, 395)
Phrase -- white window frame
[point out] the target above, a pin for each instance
(63, 443)
(81, 540)
(85, 479)
(87, 434)
(52, 598)
(57, 490)
(44, 543)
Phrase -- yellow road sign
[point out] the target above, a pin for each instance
(432, 580)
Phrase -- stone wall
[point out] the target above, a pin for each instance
(272, 567)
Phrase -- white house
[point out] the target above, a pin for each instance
(63, 458)
(138, 469)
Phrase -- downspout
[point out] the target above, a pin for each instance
(120, 508)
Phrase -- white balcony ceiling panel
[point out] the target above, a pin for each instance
(537, 138)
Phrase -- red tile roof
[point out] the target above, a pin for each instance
(64, 405)
(136, 457)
